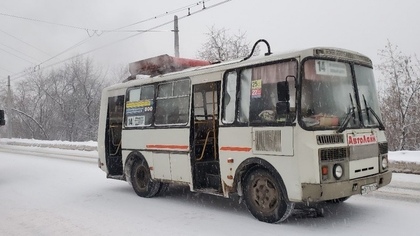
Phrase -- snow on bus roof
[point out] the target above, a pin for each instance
(163, 64)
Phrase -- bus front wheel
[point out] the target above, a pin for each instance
(264, 197)
(141, 179)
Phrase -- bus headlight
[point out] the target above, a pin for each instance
(337, 171)
(384, 162)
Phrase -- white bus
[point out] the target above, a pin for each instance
(278, 129)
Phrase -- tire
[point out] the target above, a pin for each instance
(265, 197)
(141, 180)
(338, 200)
(162, 189)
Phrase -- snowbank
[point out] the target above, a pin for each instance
(81, 146)
(405, 156)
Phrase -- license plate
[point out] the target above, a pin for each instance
(369, 188)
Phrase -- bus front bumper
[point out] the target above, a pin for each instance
(329, 191)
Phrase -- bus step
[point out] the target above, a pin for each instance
(213, 181)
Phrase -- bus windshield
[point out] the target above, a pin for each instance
(368, 96)
(328, 96)
(328, 99)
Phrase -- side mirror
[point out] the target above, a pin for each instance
(283, 108)
(283, 95)
(2, 121)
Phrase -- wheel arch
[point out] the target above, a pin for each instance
(251, 164)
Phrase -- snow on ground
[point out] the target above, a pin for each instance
(40, 195)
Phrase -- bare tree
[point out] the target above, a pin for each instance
(60, 104)
(400, 98)
(221, 46)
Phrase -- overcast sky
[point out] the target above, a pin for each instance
(363, 26)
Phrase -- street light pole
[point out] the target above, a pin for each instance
(176, 34)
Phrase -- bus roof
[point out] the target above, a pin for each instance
(188, 67)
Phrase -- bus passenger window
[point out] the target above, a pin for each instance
(172, 103)
(139, 106)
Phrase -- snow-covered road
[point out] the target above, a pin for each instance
(57, 195)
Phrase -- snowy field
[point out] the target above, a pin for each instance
(58, 194)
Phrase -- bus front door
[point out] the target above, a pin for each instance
(204, 137)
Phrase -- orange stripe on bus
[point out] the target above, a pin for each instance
(236, 149)
(164, 146)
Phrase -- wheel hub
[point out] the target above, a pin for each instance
(265, 195)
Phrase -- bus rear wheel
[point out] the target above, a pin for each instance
(141, 180)
(264, 197)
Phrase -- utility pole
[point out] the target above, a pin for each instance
(176, 34)
(9, 109)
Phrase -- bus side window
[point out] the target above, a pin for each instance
(139, 106)
(267, 103)
(172, 103)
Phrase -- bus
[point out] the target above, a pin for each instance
(277, 130)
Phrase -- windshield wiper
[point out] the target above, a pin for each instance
(368, 108)
(350, 114)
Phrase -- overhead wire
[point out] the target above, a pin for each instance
(91, 32)
(95, 31)
(126, 26)
(46, 22)
(162, 15)
(16, 56)
(1, 68)
(23, 73)
(20, 40)
(22, 53)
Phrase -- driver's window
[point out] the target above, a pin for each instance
(265, 92)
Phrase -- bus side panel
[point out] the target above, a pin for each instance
(166, 151)
(161, 165)
(236, 143)
(180, 167)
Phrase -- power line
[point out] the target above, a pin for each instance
(16, 56)
(1, 68)
(43, 21)
(91, 32)
(23, 73)
(163, 14)
(66, 50)
(20, 40)
(95, 32)
(19, 52)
